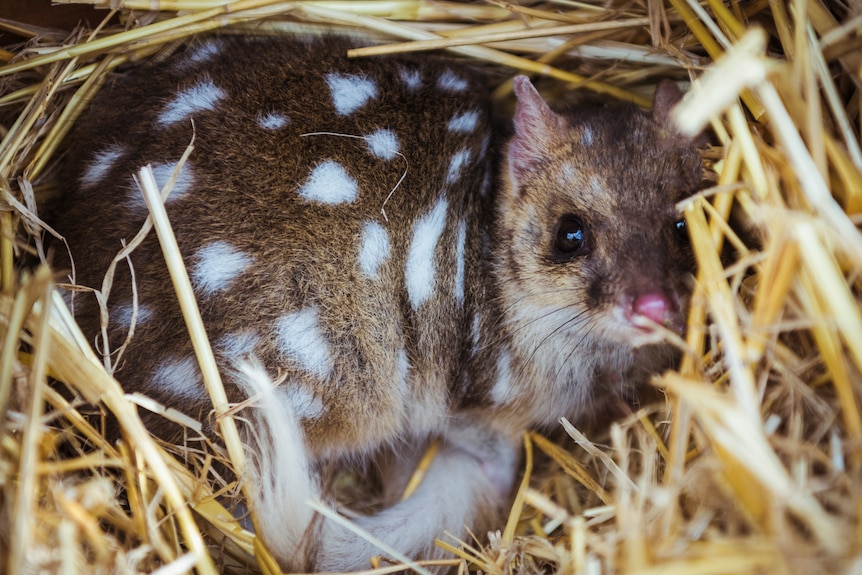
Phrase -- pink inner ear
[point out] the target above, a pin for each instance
(534, 124)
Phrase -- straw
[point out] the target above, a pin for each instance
(748, 461)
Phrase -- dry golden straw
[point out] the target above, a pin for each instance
(750, 459)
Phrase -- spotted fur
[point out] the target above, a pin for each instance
(366, 279)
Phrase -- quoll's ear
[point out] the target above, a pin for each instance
(667, 96)
(535, 126)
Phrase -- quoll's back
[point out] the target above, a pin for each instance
(368, 281)
(324, 216)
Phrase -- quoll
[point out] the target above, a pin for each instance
(361, 270)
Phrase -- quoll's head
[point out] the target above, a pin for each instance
(595, 244)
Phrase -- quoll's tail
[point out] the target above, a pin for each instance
(458, 490)
(279, 477)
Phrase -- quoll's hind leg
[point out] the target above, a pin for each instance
(467, 484)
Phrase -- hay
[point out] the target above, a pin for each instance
(753, 464)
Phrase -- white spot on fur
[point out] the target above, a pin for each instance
(273, 121)
(100, 165)
(383, 144)
(199, 98)
(305, 404)
(217, 265)
(374, 248)
(420, 270)
(185, 178)
(502, 390)
(456, 164)
(587, 136)
(198, 54)
(238, 345)
(570, 173)
(122, 315)
(162, 173)
(350, 92)
(460, 248)
(595, 185)
(411, 78)
(329, 183)
(450, 82)
(465, 122)
(180, 378)
(299, 337)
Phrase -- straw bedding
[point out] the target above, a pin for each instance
(750, 461)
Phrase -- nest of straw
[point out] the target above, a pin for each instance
(751, 463)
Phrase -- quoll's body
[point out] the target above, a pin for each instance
(346, 238)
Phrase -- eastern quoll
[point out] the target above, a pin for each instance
(361, 270)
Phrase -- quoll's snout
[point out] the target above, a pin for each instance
(655, 307)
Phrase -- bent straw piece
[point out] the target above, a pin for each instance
(581, 440)
(479, 52)
(538, 32)
(849, 185)
(114, 40)
(721, 308)
(831, 287)
(572, 467)
(829, 344)
(83, 371)
(720, 86)
(810, 179)
(13, 142)
(418, 10)
(11, 328)
(836, 106)
(191, 315)
(68, 116)
(518, 504)
(743, 445)
(24, 518)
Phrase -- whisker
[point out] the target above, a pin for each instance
(574, 349)
(578, 319)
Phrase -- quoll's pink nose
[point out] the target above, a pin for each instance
(653, 306)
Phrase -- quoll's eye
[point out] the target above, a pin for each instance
(571, 236)
(679, 227)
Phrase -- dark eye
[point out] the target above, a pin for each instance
(570, 237)
(679, 228)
